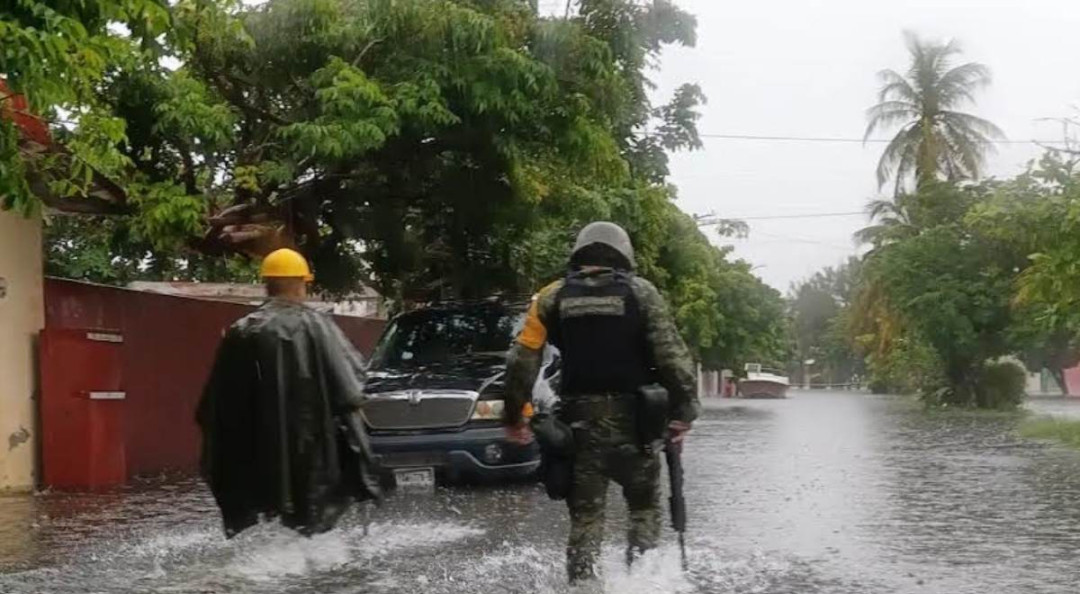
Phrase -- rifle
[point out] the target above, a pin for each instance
(673, 454)
(652, 427)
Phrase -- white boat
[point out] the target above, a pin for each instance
(762, 383)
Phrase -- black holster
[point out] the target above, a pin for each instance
(651, 417)
(556, 440)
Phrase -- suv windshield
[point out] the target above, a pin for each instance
(438, 336)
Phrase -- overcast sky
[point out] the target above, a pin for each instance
(808, 68)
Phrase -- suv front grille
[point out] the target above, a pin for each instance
(419, 410)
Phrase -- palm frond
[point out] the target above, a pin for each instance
(911, 40)
(893, 222)
(960, 83)
(942, 56)
(895, 86)
(956, 163)
(895, 105)
(899, 154)
(877, 209)
(905, 169)
(984, 128)
(872, 235)
(969, 75)
(951, 47)
(887, 114)
(966, 151)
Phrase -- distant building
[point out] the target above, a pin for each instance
(366, 303)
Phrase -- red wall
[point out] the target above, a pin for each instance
(169, 346)
(1072, 379)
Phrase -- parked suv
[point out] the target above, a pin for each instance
(435, 387)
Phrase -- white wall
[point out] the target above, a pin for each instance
(22, 316)
(362, 308)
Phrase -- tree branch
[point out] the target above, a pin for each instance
(364, 51)
(191, 185)
(225, 85)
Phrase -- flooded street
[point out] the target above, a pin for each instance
(823, 492)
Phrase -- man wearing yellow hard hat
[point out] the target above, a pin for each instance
(282, 439)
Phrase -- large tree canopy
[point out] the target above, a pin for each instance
(938, 297)
(429, 148)
(962, 275)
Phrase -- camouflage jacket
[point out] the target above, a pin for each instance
(674, 365)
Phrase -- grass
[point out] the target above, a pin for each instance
(1066, 431)
(979, 413)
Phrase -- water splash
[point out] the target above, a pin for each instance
(659, 570)
(168, 545)
(513, 567)
(386, 538)
(270, 552)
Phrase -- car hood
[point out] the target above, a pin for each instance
(475, 373)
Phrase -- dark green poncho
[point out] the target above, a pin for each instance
(281, 434)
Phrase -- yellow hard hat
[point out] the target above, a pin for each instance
(285, 263)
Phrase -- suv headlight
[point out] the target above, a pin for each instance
(488, 410)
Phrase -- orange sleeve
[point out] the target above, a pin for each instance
(534, 334)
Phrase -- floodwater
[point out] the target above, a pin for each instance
(822, 492)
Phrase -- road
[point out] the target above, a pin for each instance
(822, 492)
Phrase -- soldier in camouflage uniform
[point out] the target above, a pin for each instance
(615, 334)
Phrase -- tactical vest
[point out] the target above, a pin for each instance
(600, 333)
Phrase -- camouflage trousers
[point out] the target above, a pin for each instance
(606, 449)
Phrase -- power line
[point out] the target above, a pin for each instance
(793, 239)
(839, 139)
(714, 219)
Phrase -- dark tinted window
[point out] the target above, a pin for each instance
(436, 337)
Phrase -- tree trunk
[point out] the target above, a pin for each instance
(964, 383)
(1059, 378)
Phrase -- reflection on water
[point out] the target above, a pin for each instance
(823, 492)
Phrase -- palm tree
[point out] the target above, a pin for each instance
(934, 140)
(908, 214)
(891, 221)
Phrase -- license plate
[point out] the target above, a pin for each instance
(415, 479)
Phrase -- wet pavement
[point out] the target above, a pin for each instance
(822, 492)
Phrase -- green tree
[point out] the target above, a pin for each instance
(429, 148)
(1037, 213)
(971, 273)
(948, 288)
(819, 310)
(432, 149)
(101, 249)
(58, 55)
(1032, 218)
(909, 366)
(934, 139)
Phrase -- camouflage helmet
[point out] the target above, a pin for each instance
(609, 234)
